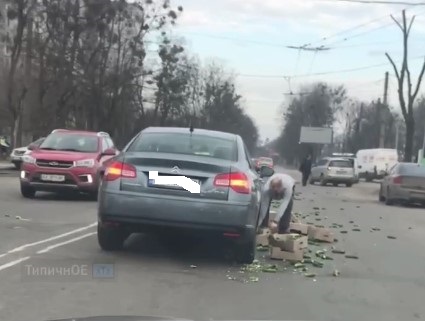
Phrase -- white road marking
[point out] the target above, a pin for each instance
(20, 248)
(51, 247)
(12, 263)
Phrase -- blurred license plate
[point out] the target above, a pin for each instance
(151, 183)
(52, 178)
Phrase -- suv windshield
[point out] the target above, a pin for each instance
(71, 142)
(341, 163)
(186, 144)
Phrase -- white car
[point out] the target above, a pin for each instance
(18, 153)
(333, 170)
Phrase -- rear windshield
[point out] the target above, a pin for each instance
(186, 144)
(412, 170)
(71, 142)
(343, 164)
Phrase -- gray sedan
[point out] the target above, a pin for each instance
(405, 183)
(143, 189)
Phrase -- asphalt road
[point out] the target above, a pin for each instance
(152, 278)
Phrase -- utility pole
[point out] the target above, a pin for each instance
(397, 127)
(383, 109)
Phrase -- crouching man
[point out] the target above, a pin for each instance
(278, 187)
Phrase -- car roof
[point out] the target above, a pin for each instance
(337, 159)
(185, 130)
(78, 131)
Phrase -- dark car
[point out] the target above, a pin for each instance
(67, 160)
(227, 204)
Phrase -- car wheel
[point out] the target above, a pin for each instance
(245, 252)
(311, 181)
(110, 238)
(335, 184)
(322, 181)
(381, 197)
(27, 192)
(349, 184)
(17, 166)
(388, 200)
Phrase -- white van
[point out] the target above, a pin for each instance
(375, 163)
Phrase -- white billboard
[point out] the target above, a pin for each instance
(316, 135)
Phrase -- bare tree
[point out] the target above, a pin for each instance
(403, 75)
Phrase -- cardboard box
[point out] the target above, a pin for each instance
(320, 234)
(276, 253)
(263, 238)
(298, 228)
(289, 242)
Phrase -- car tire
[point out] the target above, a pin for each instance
(349, 184)
(322, 181)
(27, 192)
(17, 166)
(245, 252)
(311, 181)
(110, 238)
(335, 184)
(381, 197)
(388, 200)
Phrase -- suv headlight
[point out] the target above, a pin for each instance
(84, 163)
(28, 159)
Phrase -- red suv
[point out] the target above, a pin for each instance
(67, 160)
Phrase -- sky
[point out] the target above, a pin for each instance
(250, 37)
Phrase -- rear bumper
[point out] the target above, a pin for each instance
(340, 179)
(407, 195)
(149, 213)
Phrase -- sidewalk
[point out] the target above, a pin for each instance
(5, 165)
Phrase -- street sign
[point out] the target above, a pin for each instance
(316, 135)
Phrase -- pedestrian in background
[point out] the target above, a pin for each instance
(305, 169)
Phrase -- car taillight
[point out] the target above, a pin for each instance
(236, 181)
(119, 169)
(398, 180)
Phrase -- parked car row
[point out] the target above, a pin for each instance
(130, 201)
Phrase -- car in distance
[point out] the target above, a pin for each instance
(227, 205)
(18, 153)
(334, 171)
(264, 161)
(67, 160)
(405, 183)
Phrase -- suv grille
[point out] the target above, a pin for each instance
(54, 164)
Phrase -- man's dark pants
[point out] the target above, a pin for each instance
(305, 178)
(285, 220)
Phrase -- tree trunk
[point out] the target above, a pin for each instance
(410, 132)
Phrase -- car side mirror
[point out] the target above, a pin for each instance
(110, 152)
(266, 171)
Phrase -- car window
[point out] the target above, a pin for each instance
(71, 142)
(110, 142)
(105, 144)
(38, 141)
(341, 163)
(412, 170)
(393, 169)
(186, 144)
(248, 156)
